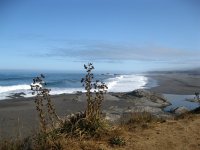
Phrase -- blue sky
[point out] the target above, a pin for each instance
(116, 35)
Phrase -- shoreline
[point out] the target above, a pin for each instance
(18, 116)
(175, 83)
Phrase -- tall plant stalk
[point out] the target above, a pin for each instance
(94, 101)
(42, 98)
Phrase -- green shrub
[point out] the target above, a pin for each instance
(119, 141)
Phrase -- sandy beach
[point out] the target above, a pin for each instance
(176, 83)
(18, 117)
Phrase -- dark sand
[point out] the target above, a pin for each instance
(18, 114)
(176, 83)
(19, 118)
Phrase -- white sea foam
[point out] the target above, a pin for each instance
(126, 83)
(121, 83)
(14, 88)
(7, 90)
(56, 91)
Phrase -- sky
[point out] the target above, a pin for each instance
(115, 35)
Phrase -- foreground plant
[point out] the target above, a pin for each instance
(87, 123)
(117, 140)
(93, 110)
(90, 121)
(43, 99)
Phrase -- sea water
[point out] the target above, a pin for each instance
(19, 81)
(180, 100)
(12, 82)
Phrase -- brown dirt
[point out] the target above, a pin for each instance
(182, 134)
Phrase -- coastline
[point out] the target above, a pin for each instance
(18, 116)
(175, 83)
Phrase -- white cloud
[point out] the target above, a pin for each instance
(102, 51)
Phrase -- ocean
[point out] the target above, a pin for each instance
(12, 82)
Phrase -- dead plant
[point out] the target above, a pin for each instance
(43, 102)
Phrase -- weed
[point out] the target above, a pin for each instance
(89, 122)
(117, 140)
(42, 95)
(93, 109)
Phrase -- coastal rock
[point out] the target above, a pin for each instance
(17, 95)
(148, 109)
(149, 98)
(111, 116)
(115, 114)
(139, 93)
(137, 101)
(180, 110)
(196, 110)
(192, 99)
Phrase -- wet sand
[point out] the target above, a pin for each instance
(176, 83)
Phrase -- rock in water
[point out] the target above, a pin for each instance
(17, 95)
(196, 110)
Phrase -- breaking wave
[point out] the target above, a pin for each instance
(126, 83)
(119, 83)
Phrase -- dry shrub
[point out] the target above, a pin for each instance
(43, 102)
(117, 141)
(17, 144)
(140, 120)
(89, 123)
(140, 117)
(93, 110)
(82, 125)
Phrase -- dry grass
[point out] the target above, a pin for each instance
(139, 120)
(182, 133)
(16, 144)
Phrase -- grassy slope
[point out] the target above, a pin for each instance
(172, 134)
(179, 134)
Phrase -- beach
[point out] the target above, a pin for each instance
(18, 116)
(176, 83)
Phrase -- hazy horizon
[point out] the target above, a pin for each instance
(96, 70)
(124, 35)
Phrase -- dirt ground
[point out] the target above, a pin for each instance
(178, 135)
(181, 134)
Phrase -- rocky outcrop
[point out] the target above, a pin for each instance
(148, 98)
(193, 99)
(148, 109)
(196, 110)
(180, 110)
(117, 105)
(17, 95)
(137, 101)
